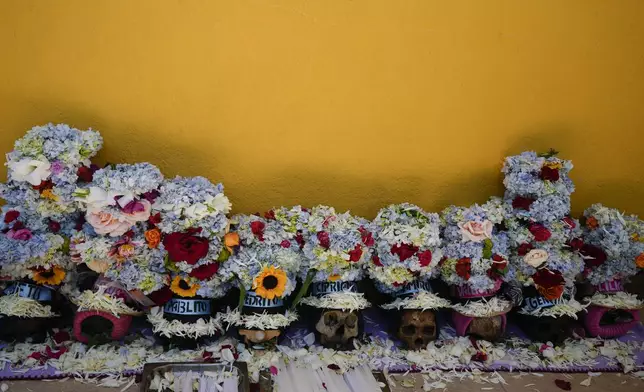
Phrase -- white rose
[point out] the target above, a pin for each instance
(196, 211)
(30, 170)
(476, 231)
(536, 257)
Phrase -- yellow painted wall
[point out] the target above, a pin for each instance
(351, 103)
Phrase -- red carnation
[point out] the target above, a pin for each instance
(257, 227)
(11, 216)
(404, 251)
(464, 268)
(299, 238)
(524, 248)
(205, 271)
(547, 278)
(539, 232)
(285, 244)
(570, 222)
(185, 247)
(376, 260)
(85, 174)
(323, 237)
(576, 243)
(155, 219)
(367, 237)
(355, 254)
(549, 174)
(499, 262)
(161, 296)
(425, 258)
(270, 215)
(593, 256)
(522, 203)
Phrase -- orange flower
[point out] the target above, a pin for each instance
(52, 276)
(553, 165)
(334, 277)
(551, 293)
(49, 194)
(153, 237)
(591, 222)
(639, 260)
(231, 240)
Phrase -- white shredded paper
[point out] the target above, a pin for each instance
(101, 302)
(193, 330)
(571, 308)
(262, 321)
(13, 305)
(340, 300)
(483, 307)
(619, 300)
(422, 300)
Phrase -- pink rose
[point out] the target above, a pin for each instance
(20, 234)
(138, 211)
(106, 223)
(476, 231)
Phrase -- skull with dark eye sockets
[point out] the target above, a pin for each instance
(417, 328)
(337, 328)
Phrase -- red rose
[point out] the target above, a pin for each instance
(185, 247)
(425, 258)
(547, 278)
(376, 260)
(522, 203)
(499, 262)
(524, 249)
(161, 296)
(576, 243)
(323, 237)
(593, 256)
(205, 271)
(367, 237)
(355, 254)
(539, 232)
(570, 222)
(257, 227)
(464, 268)
(61, 337)
(270, 215)
(285, 244)
(404, 251)
(54, 226)
(549, 174)
(85, 174)
(299, 238)
(11, 216)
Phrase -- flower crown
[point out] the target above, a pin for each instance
(45, 166)
(30, 249)
(476, 252)
(268, 258)
(552, 245)
(119, 197)
(538, 186)
(336, 246)
(608, 245)
(407, 245)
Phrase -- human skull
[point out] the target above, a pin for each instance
(417, 328)
(257, 336)
(337, 328)
(548, 329)
(488, 328)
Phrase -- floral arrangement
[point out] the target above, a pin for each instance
(607, 245)
(407, 246)
(119, 197)
(336, 246)
(553, 246)
(45, 166)
(268, 259)
(537, 185)
(476, 251)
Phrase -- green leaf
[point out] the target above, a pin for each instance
(224, 255)
(551, 153)
(487, 248)
(305, 287)
(242, 295)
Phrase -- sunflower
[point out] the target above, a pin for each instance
(52, 276)
(183, 287)
(270, 283)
